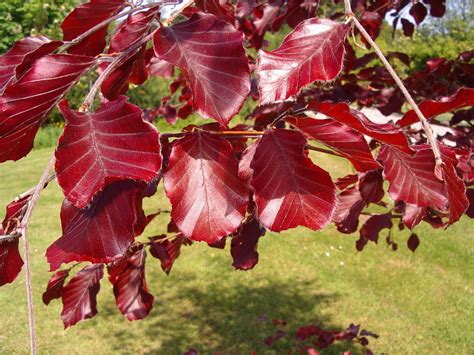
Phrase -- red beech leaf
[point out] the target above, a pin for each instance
(207, 196)
(14, 214)
(470, 197)
(103, 231)
(372, 228)
(430, 108)
(371, 186)
(166, 251)
(349, 206)
(127, 275)
(245, 171)
(21, 56)
(243, 247)
(80, 295)
(413, 215)
(419, 12)
(339, 137)
(96, 149)
(290, 190)
(55, 286)
(83, 18)
(160, 68)
(222, 9)
(413, 242)
(25, 104)
(210, 52)
(133, 70)
(412, 178)
(10, 261)
(455, 187)
(386, 133)
(313, 51)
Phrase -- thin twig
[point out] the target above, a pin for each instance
(119, 60)
(23, 230)
(322, 150)
(426, 126)
(30, 191)
(9, 237)
(173, 16)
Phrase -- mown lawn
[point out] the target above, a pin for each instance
(418, 303)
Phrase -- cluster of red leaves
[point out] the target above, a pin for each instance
(222, 182)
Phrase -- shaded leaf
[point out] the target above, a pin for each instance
(103, 231)
(290, 190)
(207, 196)
(349, 206)
(127, 275)
(413, 215)
(55, 286)
(83, 18)
(25, 104)
(10, 261)
(96, 149)
(372, 228)
(371, 186)
(313, 51)
(167, 251)
(413, 242)
(244, 243)
(210, 52)
(339, 137)
(79, 296)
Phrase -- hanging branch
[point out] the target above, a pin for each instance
(23, 231)
(426, 126)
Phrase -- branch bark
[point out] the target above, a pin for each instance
(23, 230)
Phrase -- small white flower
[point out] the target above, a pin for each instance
(341, 263)
(332, 248)
(327, 253)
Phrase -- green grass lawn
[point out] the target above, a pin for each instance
(418, 303)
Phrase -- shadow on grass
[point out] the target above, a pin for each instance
(220, 319)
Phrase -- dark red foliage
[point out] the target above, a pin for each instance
(313, 51)
(133, 70)
(127, 275)
(349, 206)
(244, 243)
(55, 286)
(10, 261)
(103, 231)
(431, 108)
(166, 250)
(213, 60)
(231, 182)
(208, 198)
(343, 139)
(21, 57)
(79, 295)
(96, 149)
(386, 133)
(290, 190)
(25, 104)
(413, 242)
(83, 18)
